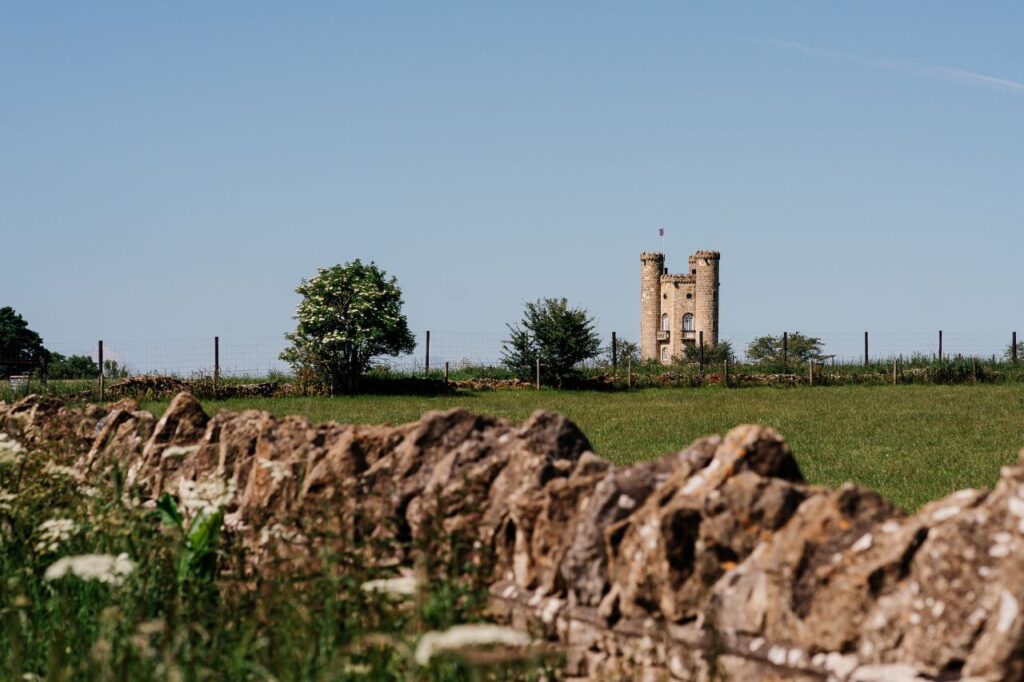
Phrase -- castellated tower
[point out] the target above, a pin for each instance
(675, 309)
(652, 267)
(704, 266)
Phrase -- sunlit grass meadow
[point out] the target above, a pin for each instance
(911, 443)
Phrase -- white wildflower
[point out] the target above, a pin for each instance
(60, 471)
(10, 450)
(460, 637)
(54, 532)
(404, 586)
(6, 499)
(206, 497)
(104, 568)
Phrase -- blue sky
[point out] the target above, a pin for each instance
(172, 170)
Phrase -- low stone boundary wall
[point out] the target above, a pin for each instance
(717, 562)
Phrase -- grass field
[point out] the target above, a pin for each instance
(911, 443)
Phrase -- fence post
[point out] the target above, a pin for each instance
(865, 349)
(615, 354)
(701, 341)
(445, 372)
(727, 372)
(810, 372)
(216, 364)
(894, 371)
(99, 354)
(42, 369)
(426, 361)
(538, 372)
(1013, 348)
(629, 373)
(785, 350)
(940, 345)
(974, 370)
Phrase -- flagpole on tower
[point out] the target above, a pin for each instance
(661, 232)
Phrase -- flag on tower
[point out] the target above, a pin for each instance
(661, 231)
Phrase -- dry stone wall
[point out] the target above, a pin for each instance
(717, 562)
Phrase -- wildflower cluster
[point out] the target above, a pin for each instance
(103, 568)
(53, 533)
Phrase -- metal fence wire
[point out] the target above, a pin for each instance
(257, 357)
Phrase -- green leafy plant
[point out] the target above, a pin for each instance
(349, 315)
(197, 561)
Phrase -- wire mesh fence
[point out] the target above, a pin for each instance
(854, 347)
(257, 357)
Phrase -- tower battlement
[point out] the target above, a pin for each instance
(677, 310)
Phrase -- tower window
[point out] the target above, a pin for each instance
(664, 322)
(687, 322)
(664, 353)
(689, 296)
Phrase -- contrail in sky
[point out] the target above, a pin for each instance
(912, 68)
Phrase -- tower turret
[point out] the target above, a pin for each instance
(652, 266)
(704, 268)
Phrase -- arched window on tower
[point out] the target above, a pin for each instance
(688, 326)
(664, 322)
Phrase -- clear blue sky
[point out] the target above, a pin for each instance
(173, 169)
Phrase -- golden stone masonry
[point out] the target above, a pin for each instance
(676, 309)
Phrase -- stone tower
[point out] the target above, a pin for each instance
(652, 267)
(704, 266)
(676, 308)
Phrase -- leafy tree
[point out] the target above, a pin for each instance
(717, 353)
(799, 347)
(20, 347)
(349, 315)
(628, 350)
(560, 336)
(71, 367)
(1008, 353)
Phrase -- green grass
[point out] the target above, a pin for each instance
(911, 443)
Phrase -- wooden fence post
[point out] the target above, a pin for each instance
(216, 364)
(894, 371)
(629, 372)
(701, 341)
(785, 350)
(1013, 348)
(538, 372)
(727, 372)
(810, 372)
(974, 370)
(445, 372)
(866, 360)
(426, 360)
(940, 345)
(42, 370)
(99, 353)
(615, 354)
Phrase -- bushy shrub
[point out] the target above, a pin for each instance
(560, 336)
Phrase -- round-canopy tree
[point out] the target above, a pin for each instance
(349, 315)
(21, 349)
(560, 336)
